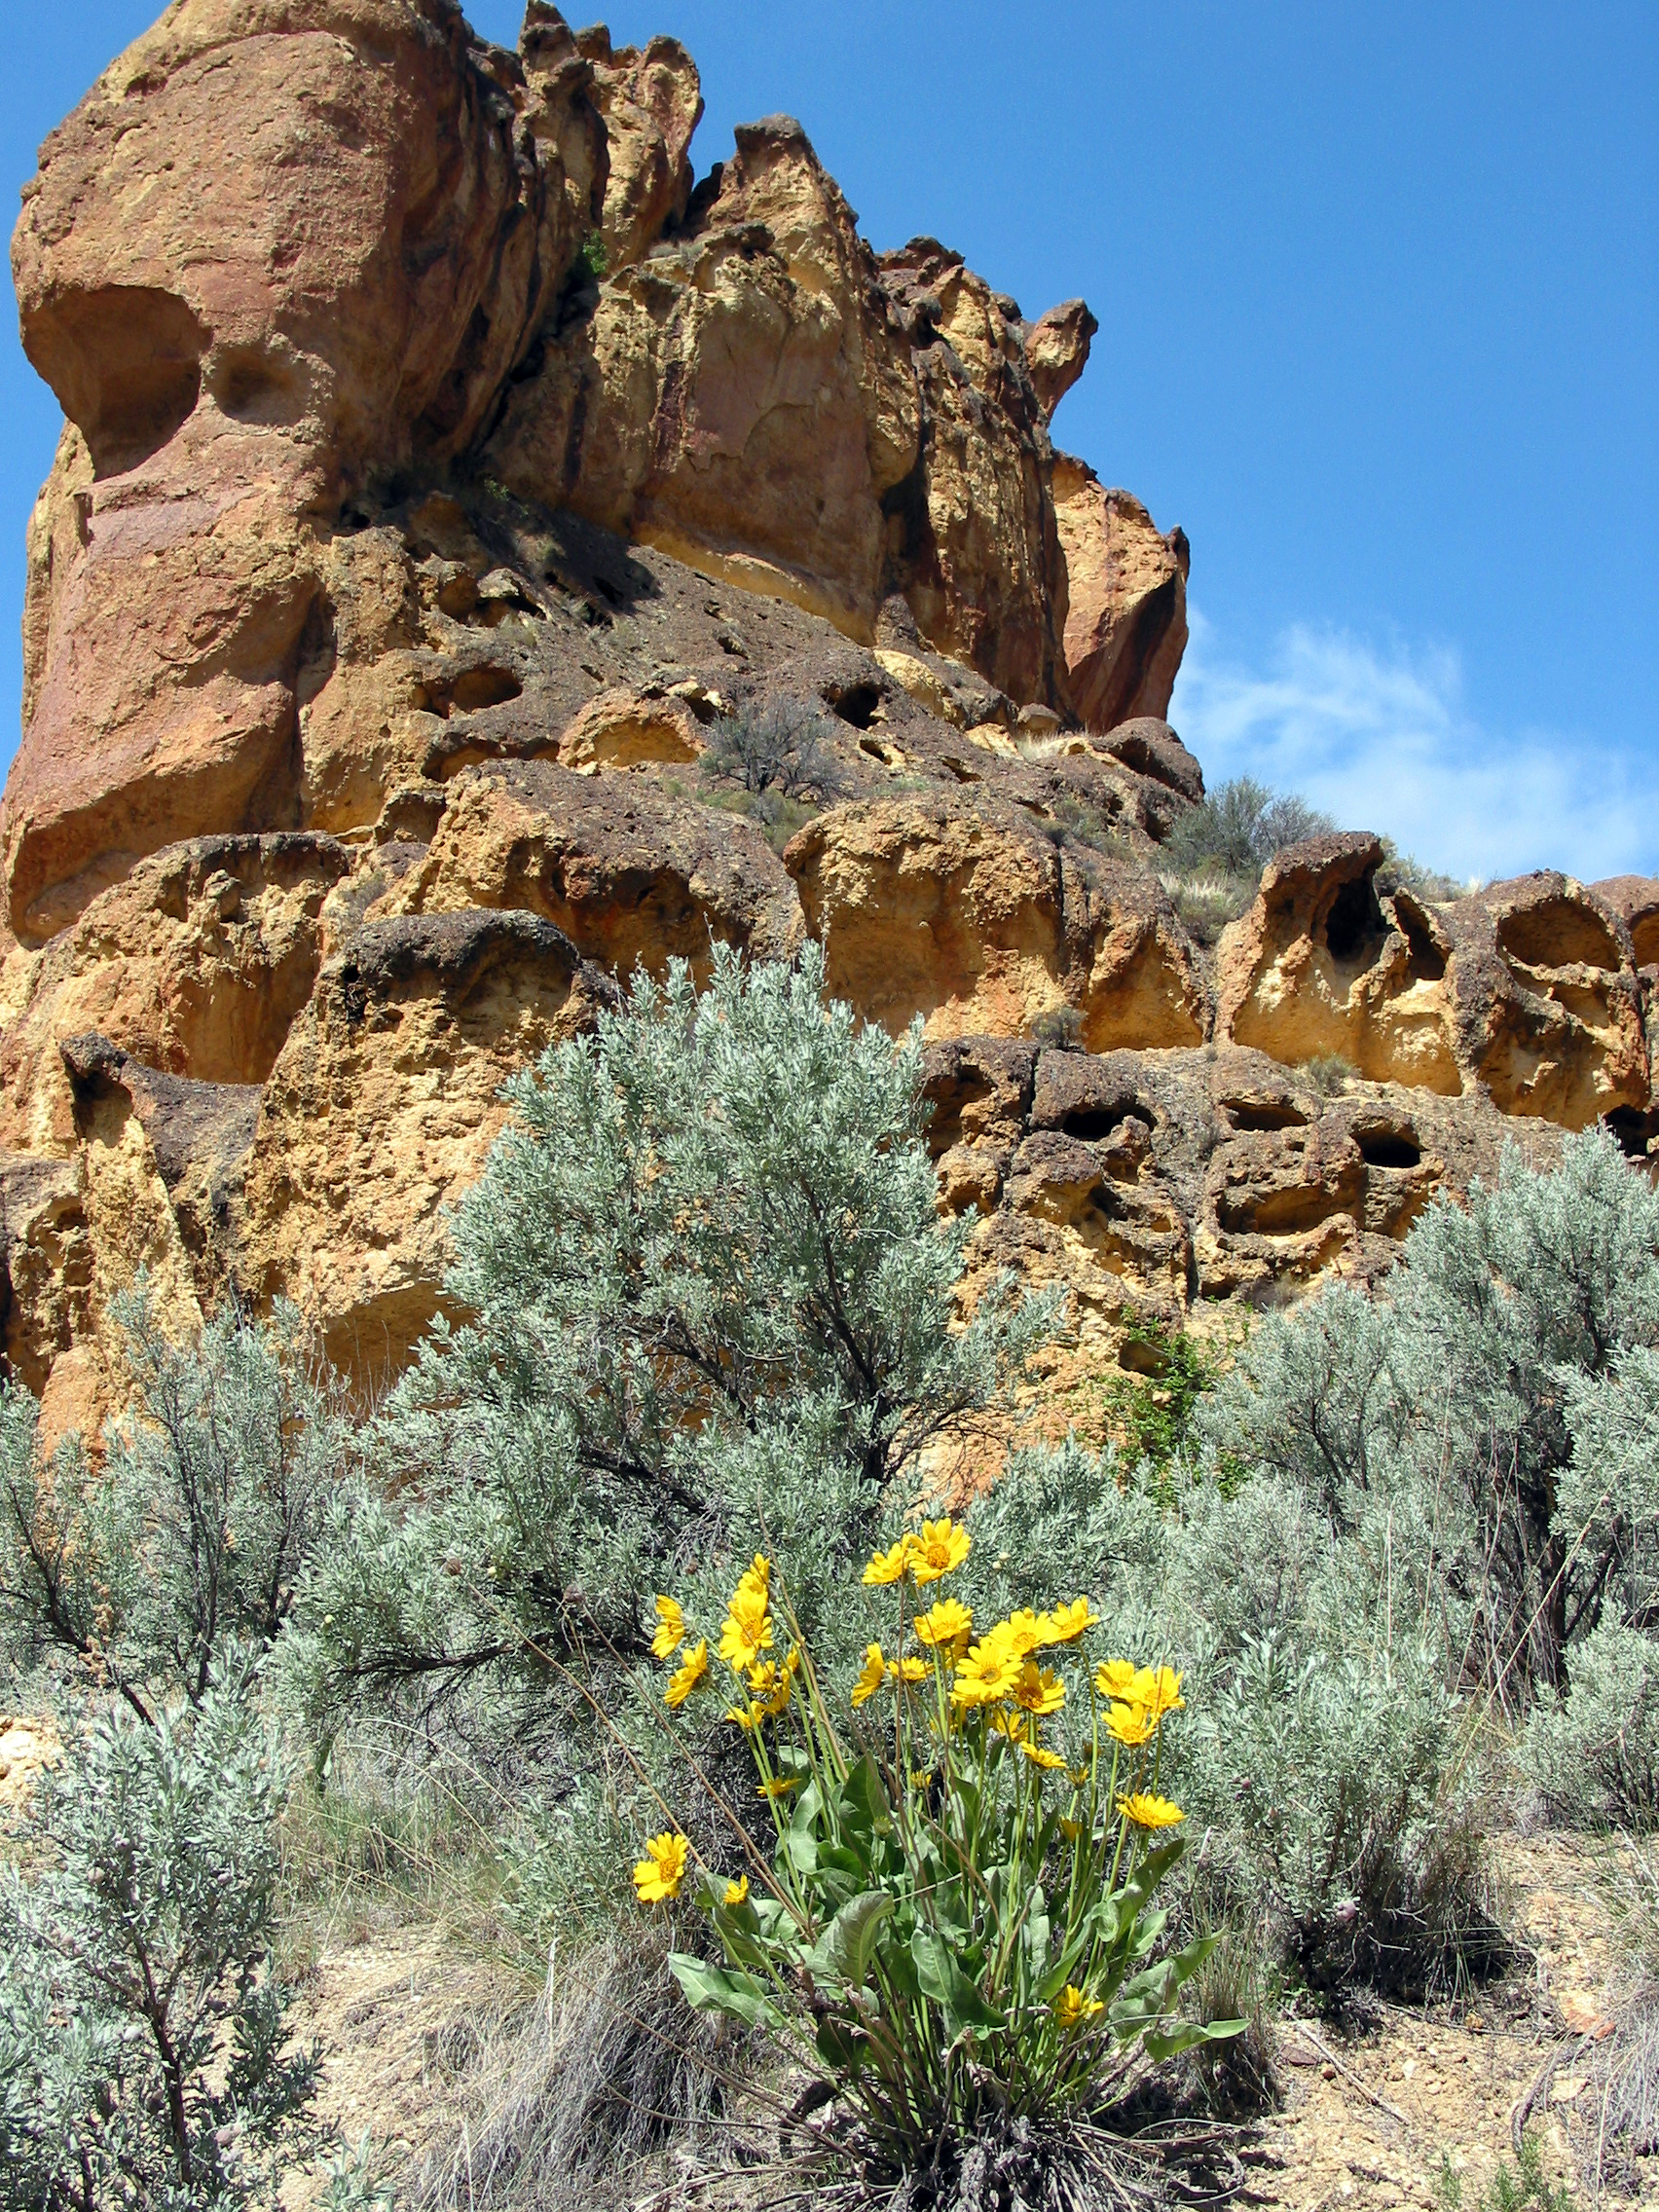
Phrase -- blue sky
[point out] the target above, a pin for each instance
(1379, 295)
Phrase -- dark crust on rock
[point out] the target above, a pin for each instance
(186, 1123)
(449, 952)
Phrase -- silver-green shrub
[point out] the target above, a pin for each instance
(1594, 1752)
(1472, 1407)
(709, 1306)
(1326, 1762)
(192, 1533)
(144, 2051)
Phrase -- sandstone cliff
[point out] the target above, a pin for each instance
(443, 464)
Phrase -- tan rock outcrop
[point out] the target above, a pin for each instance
(1321, 967)
(1126, 600)
(967, 916)
(75, 1234)
(226, 631)
(972, 542)
(1552, 1011)
(627, 730)
(676, 413)
(386, 232)
(196, 966)
(651, 102)
(1634, 898)
(1528, 991)
(633, 877)
(1056, 351)
(382, 1107)
(1166, 1186)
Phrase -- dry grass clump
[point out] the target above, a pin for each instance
(1625, 2066)
(607, 2079)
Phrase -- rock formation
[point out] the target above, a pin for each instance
(445, 465)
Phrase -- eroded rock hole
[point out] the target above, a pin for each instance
(1387, 1148)
(473, 689)
(127, 365)
(949, 1103)
(1425, 962)
(1262, 1116)
(251, 387)
(1353, 927)
(857, 705)
(1089, 1124)
(1633, 1128)
(1558, 933)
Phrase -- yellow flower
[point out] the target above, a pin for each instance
(910, 1669)
(737, 1893)
(687, 1675)
(1159, 1691)
(1149, 1812)
(1040, 1755)
(889, 1565)
(755, 1584)
(670, 1628)
(1129, 1724)
(989, 1672)
(1071, 1830)
(748, 1717)
(1066, 1622)
(1037, 1690)
(1078, 1776)
(777, 1788)
(944, 1623)
(770, 1686)
(872, 1674)
(748, 1630)
(1024, 1631)
(662, 1872)
(940, 1547)
(1073, 2010)
(1116, 1678)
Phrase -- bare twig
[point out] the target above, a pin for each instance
(1348, 2074)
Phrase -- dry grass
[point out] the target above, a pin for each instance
(606, 2084)
(1625, 2066)
(385, 1844)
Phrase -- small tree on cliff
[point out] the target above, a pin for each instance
(711, 1304)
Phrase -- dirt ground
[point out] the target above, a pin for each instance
(1366, 2122)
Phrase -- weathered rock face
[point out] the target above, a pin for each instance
(391, 208)
(221, 639)
(1180, 1184)
(380, 1111)
(1125, 626)
(961, 910)
(633, 877)
(444, 468)
(1527, 992)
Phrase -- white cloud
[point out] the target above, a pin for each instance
(1382, 740)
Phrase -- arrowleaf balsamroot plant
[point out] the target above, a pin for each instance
(957, 1919)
